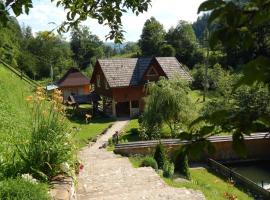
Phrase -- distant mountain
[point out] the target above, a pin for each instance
(117, 46)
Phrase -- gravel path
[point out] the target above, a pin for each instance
(107, 176)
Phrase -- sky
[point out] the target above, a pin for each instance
(167, 12)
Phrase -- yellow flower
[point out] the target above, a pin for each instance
(29, 98)
(40, 98)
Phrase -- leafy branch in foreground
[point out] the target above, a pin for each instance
(244, 27)
(105, 11)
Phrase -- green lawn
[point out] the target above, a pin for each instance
(87, 132)
(129, 134)
(213, 187)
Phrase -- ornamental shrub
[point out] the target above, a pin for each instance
(168, 169)
(160, 155)
(20, 189)
(149, 162)
(50, 150)
(181, 163)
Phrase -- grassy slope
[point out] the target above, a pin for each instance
(14, 112)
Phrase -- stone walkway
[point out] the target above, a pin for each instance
(107, 176)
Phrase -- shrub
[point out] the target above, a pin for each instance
(134, 131)
(160, 155)
(20, 189)
(149, 162)
(50, 150)
(168, 169)
(181, 163)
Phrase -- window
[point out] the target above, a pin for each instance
(98, 80)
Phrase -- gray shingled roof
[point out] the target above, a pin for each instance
(129, 71)
(173, 68)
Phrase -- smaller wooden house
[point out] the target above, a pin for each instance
(73, 83)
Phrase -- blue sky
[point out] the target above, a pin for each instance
(168, 12)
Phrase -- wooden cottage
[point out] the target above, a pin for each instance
(74, 83)
(120, 82)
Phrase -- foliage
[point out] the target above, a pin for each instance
(20, 189)
(218, 78)
(200, 27)
(10, 38)
(242, 112)
(243, 29)
(131, 47)
(153, 35)
(149, 161)
(160, 155)
(167, 50)
(168, 103)
(184, 41)
(106, 12)
(85, 46)
(181, 163)
(168, 169)
(50, 150)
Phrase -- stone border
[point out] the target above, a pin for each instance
(63, 188)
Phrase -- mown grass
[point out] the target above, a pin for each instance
(213, 187)
(84, 133)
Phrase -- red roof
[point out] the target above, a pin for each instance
(73, 77)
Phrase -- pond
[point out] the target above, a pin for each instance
(258, 172)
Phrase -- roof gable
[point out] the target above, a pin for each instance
(73, 77)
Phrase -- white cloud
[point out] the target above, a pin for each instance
(168, 12)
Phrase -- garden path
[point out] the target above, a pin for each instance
(107, 176)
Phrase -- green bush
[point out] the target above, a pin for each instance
(181, 163)
(19, 189)
(149, 162)
(168, 169)
(160, 155)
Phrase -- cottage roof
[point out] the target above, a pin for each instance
(73, 77)
(172, 68)
(124, 72)
(129, 71)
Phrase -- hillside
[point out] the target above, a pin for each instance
(14, 112)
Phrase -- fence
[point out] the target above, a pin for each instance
(19, 74)
(238, 179)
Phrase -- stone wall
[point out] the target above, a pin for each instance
(257, 147)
